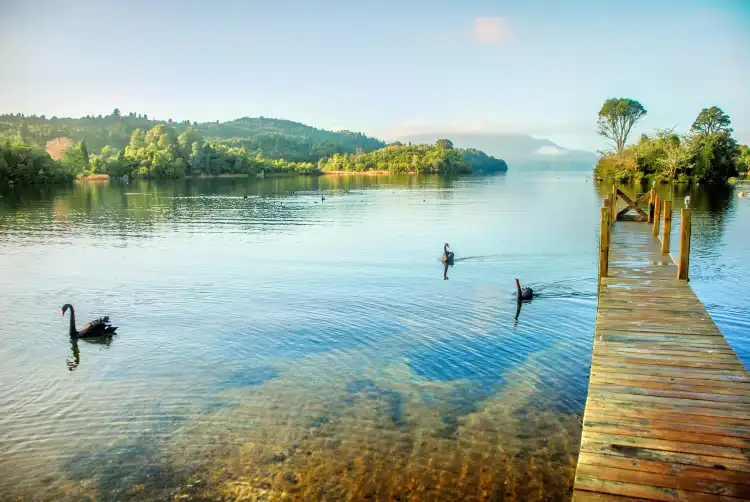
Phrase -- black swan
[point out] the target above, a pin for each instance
(447, 255)
(98, 327)
(525, 293)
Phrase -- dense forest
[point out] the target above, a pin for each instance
(707, 153)
(40, 150)
(269, 138)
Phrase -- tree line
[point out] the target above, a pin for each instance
(707, 153)
(267, 137)
(163, 152)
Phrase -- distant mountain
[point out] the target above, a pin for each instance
(514, 148)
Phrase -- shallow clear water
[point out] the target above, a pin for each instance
(279, 346)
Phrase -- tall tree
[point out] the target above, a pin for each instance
(711, 120)
(616, 119)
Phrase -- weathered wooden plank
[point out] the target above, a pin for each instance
(634, 337)
(696, 432)
(667, 434)
(636, 452)
(584, 496)
(648, 492)
(665, 327)
(678, 362)
(669, 468)
(651, 415)
(663, 445)
(642, 369)
(656, 351)
(741, 405)
(664, 480)
(630, 406)
(667, 347)
(707, 394)
(726, 392)
(656, 355)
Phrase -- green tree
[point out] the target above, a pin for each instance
(674, 156)
(77, 159)
(711, 120)
(744, 159)
(186, 140)
(714, 157)
(617, 117)
(445, 144)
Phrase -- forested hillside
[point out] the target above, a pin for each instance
(270, 138)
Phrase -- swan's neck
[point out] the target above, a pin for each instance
(73, 330)
(518, 288)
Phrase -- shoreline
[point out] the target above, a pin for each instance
(94, 177)
(363, 173)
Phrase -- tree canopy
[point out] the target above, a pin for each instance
(712, 120)
(616, 119)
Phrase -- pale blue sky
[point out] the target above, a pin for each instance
(384, 67)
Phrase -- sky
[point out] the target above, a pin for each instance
(387, 68)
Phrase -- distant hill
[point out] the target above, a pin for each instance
(271, 138)
(514, 148)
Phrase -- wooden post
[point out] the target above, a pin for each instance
(613, 217)
(683, 264)
(657, 214)
(667, 226)
(651, 205)
(604, 244)
(607, 204)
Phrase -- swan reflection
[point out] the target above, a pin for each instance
(518, 312)
(74, 361)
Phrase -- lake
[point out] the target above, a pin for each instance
(275, 345)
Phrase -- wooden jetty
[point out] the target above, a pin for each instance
(668, 410)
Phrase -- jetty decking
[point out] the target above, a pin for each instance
(668, 410)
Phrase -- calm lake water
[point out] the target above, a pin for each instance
(276, 346)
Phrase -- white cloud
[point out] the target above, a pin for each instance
(491, 31)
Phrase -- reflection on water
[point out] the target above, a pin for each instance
(103, 341)
(277, 346)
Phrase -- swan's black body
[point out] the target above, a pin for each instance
(98, 327)
(524, 293)
(447, 255)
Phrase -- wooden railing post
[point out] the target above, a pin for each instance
(667, 226)
(651, 205)
(657, 214)
(683, 264)
(613, 217)
(608, 205)
(604, 244)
